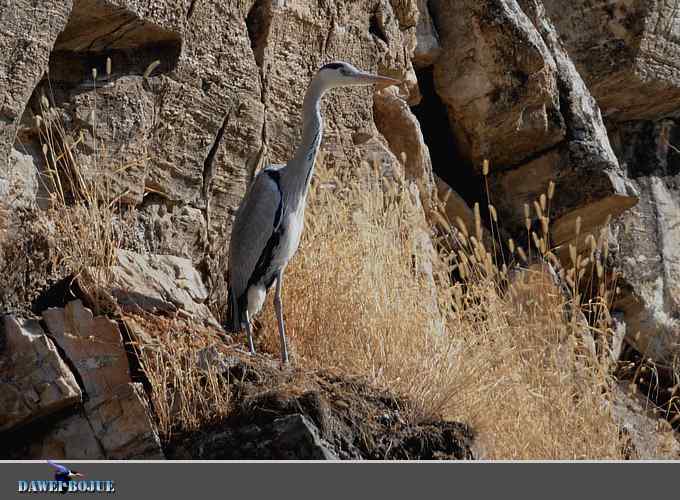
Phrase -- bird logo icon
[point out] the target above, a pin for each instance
(63, 475)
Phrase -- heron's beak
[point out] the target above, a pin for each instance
(380, 81)
(77, 474)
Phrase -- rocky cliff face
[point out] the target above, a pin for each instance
(224, 97)
(178, 103)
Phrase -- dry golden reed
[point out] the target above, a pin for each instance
(81, 209)
(498, 352)
(188, 390)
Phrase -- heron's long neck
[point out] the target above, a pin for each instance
(301, 167)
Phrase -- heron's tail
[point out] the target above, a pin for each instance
(234, 313)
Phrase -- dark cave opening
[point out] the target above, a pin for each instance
(447, 160)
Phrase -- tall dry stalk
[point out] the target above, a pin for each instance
(188, 390)
(83, 210)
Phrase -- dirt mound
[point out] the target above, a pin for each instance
(287, 414)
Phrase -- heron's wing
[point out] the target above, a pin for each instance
(258, 216)
(60, 468)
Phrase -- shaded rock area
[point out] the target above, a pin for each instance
(647, 436)
(27, 259)
(649, 237)
(281, 415)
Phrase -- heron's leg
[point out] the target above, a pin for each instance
(279, 314)
(249, 331)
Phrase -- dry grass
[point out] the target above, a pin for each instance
(188, 390)
(84, 215)
(510, 362)
(353, 301)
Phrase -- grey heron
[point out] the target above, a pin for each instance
(269, 221)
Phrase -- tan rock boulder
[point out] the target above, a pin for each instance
(627, 52)
(159, 284)
(498, 80)
(592, 192)
(93, 344)
(115, 420)
(399, 126)
(34, 380)
(454, 206)
(589, 181)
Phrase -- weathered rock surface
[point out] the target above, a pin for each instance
(166, 130)
(93, 344)
(180, 141)
(401, 129)
(292, 39)
(159, 284)
(626, 50)
(28, 259)
(649, 238)
(291, 437)
(34, 380)
(27, 37)
(114, 427)
(21, 186)
(201, 93)
(589, 181)
(498, 80)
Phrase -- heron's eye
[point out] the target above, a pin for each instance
(344, 71)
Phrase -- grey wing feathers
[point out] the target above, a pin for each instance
(254, 224)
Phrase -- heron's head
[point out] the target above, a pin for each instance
(342, 74)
